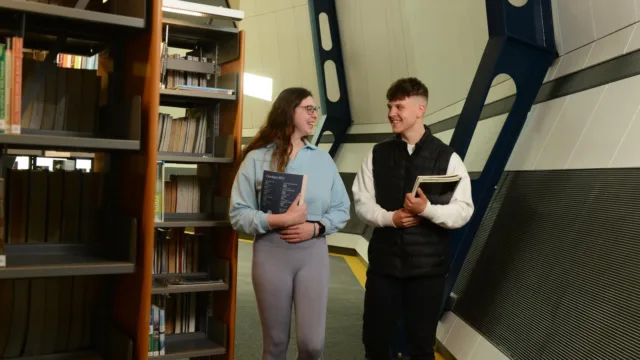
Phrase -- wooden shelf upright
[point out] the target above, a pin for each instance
(202, 62)
(78, 244)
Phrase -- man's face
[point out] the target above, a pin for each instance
(404, 114)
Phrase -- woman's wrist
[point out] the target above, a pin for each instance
(277, 221)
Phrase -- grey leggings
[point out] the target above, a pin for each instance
(287, 274)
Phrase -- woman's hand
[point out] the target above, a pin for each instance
(297, 233)
(296, 214)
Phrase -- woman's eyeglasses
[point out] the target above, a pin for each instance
(310, 109)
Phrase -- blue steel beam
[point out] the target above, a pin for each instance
(338, 113)
(521, 44)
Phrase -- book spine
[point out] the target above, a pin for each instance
(162, 332)
(151, 332)
(3, 112)
(156, 330)
(3, 256)
(16, 107)
(8, 80)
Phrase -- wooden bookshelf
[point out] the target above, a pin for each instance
(78, 242)
(217, 51)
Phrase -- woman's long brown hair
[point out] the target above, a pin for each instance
(279, 127)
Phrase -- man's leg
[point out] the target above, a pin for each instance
(382, 306)
(422, 307)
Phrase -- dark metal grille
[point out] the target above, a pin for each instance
(558, 277)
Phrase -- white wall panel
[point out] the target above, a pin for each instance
(576, 23)
(610, 46)
(535, 133)
(573, 61)
(279, 47)
(482, 142)
(628, 154)
(608, 125)
(568, 129)
(612, 15)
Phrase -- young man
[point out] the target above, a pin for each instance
(408, 252)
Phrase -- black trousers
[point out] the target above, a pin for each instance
(414, 300)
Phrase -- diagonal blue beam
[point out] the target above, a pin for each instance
(338, 113)
(521, 44)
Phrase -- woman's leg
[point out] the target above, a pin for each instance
(272, 276)
(310, 291)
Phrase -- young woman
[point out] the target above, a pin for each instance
(290, 254)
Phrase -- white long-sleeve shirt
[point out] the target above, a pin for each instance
(451, 216)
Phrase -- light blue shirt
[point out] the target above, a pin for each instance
(326, 197)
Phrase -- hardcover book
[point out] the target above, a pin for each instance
(279, 190)
(438, 189)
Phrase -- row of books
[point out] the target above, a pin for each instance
(45, 316)
(11, 85)
(175, 251)
(175, 78)
(174, 314)
(182, 194)
(52, 206)
(65, 98)
(186, 134)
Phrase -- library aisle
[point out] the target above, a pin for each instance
(344, 315)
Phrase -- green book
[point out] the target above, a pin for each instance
(3, 110)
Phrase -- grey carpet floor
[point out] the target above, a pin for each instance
(344, 313)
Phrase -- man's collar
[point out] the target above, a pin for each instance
(426, 134)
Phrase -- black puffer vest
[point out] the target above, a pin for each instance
(421, 250)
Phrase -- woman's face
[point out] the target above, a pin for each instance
(305, 116)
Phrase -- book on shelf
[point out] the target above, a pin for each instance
(279, 190)
(3, 258)
(48, 316)
(51, 206)
(438, 189)
(203, 88)
(175, 252)
(4, 90)
(11, 66)
(175, 314)
(173, 78)
(178, 281)
(187, 134)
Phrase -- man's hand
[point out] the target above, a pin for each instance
(415, 205)
(297, 233)
(404, 219)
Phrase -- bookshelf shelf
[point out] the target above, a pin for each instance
(49, 260)
(68, 142)
(183, 346)
(194, 97)
(187, 33)
(190, 66)
(67, 13)
(192, 158)
(191, 223)
(80, 355)
(160, 289)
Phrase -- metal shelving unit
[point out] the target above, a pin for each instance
(222, 46)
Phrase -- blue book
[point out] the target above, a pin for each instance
(279, 190)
